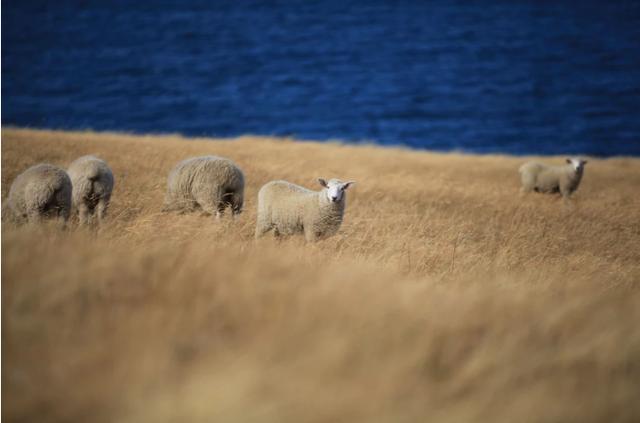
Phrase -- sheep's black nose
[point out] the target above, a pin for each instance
(334, 199)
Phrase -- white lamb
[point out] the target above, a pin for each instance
(42, 191)
(289, 209)
(563, 179)
(92, 182)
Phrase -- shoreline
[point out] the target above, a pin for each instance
(330, 141)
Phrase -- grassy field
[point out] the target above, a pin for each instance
(446, 296)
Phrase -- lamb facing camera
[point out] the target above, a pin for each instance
(288, 209)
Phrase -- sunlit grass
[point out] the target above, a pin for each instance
(446, 296)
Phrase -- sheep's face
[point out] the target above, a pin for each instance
(335, 189)
(578, 164)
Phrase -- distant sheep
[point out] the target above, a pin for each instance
(42, 191)
(92, 182)
(209, 182)
(563, 179)
(288, 209)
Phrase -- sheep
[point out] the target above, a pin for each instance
(209, 182)
(92, 182)
(288, 209)
(42, 191)
(563, 179)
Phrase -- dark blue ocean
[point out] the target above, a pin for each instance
(520, 77)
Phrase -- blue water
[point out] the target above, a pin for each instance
(542, 77)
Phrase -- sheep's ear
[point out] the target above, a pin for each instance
(585, 161)
(322, 182)
(348, 184)
(569, 161)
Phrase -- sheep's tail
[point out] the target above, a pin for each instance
(94, 174)
(83, 187)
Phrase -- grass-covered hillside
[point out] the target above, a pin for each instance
(446, 295)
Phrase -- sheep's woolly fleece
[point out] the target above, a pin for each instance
(288, 209)
(211, 183)
(43, 190)
(92, 181)
(564, 179)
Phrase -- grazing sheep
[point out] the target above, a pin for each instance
(41, 191)
(288, 209)
(210, 182)
(92, 182)
(563, 179)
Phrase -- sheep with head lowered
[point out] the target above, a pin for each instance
(209, 182)
(563, 179)
(288, 209)
(42, 191)
(92, 181)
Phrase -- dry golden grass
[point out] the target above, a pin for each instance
(446, 296)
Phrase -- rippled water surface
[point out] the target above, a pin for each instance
(494, 76)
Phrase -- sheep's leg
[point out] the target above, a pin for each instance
(216, 211)
(61, 219)
(220, 210)
(64, 213)
(261, 229)
(102, 207)
(211, 209)
(310, 234)
(83, 214)
(34, 217)
(565, 191)
(236, 204)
